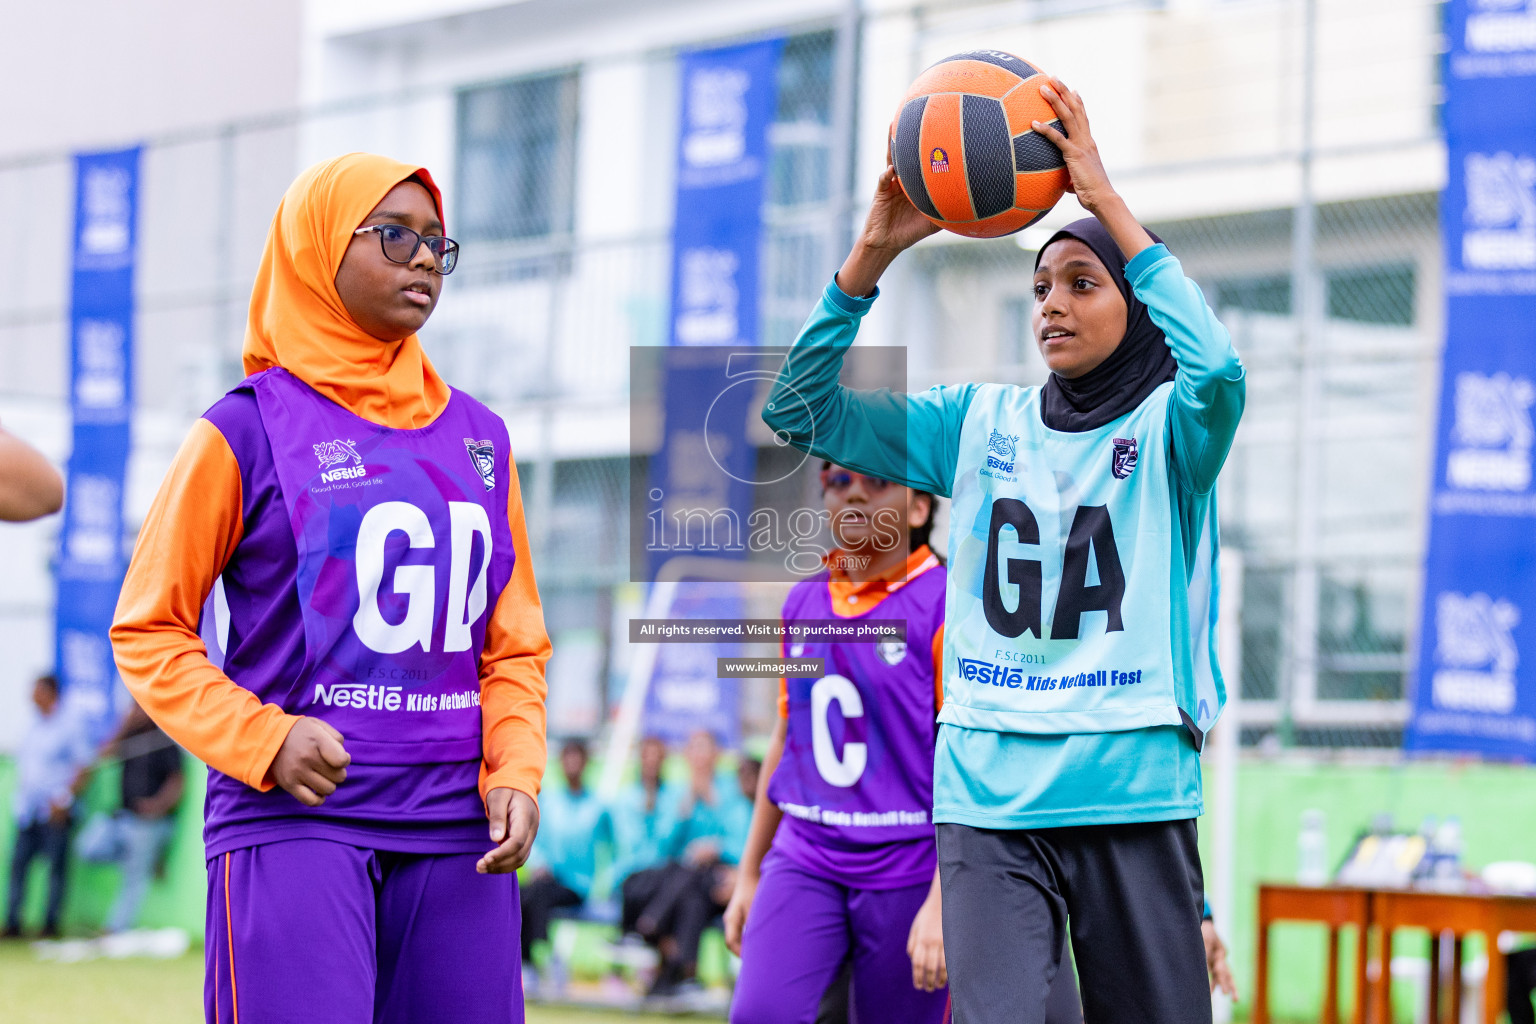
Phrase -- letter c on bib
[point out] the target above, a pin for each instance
(838, 771)
(415, 581)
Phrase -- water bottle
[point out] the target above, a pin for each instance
(1424, 871)
(1447, 877)
(1312, 850)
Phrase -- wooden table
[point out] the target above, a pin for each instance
(1386, 910)
(1458, 914)
(1334, 906)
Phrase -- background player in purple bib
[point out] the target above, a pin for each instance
(847, 789)
(382, 689)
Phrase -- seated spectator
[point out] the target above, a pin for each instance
(710, 824)
(671, 906)
(152, 784)
(572, 822)
(737, 815)
(51, 770)
(642, 817)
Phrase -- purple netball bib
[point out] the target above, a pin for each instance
(404, 548)
(858, 750)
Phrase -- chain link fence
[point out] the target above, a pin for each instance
(1371, 441)
(1324, 492)
(1324, 497)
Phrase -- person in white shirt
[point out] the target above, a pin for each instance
(51, 769)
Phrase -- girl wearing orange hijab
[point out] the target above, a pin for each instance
(380, 702)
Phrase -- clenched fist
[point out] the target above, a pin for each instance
(312, 762)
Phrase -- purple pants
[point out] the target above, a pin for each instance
(801, 930)
(310, 930)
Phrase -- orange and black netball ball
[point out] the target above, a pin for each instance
(965, 151)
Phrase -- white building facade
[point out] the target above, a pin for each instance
(1288, 150)
(554, 129)
(177, 77)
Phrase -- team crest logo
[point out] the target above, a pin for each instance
(938, 160)
(1002, 449)
(483, 455)
(891, 651)
(1123, 459)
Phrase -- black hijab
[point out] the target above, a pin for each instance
(1132, 371)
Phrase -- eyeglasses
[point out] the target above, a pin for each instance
(400, 244)
(839, 480)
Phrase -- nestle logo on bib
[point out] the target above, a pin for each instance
(359, 695)
(344, 473)
(337, 453)
(1002, 449)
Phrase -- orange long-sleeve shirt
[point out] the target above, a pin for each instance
(192, 530)
(851, 600)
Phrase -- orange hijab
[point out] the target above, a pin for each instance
(297, 320)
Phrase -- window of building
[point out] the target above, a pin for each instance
(1362, 635)
(802, 125)
(1263, 622)
(517, 158)
(1254, 294)
(1017, 339)
(1372, 295)
(1382, 294)
(798, 254)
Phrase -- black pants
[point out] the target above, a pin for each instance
(1062, 1006)
(637, 892)
(1132, 893)
(51, 842)
(671, 901)
(538, 898)
(1522, 980)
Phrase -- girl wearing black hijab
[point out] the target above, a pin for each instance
(1079, 668)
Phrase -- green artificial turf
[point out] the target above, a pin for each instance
(99, 991)
(140, 991)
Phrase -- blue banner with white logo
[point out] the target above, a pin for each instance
(702, 476)
(1476, 676)
(729, 96)
(91, 562)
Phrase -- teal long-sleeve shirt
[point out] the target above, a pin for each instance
(641, 838)
(571, 827)
(723, 824)
(853, 428)
(1008, 780)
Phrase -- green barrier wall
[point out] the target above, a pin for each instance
(176, 899)
(1496, 805)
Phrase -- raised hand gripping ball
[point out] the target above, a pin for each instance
(964, 148)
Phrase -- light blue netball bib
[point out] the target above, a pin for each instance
(1068, 577)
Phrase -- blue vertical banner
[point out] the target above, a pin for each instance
(91, 560)
(706, 464)
(703, 472)
(1475, 683)
(729, 98)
